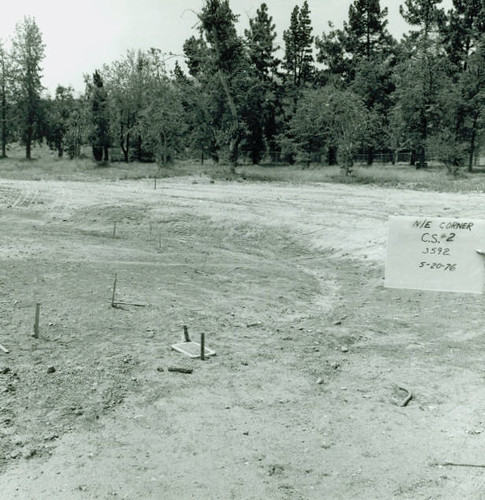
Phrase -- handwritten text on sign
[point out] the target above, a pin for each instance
(435, 254)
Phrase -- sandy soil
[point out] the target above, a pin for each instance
(304, 397)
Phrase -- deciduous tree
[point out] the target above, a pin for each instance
(330, 118)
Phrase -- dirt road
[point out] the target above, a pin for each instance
(303, 398)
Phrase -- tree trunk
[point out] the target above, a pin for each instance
(421, 157)
(98, 153)
(125, 141)
(163, 140)
(125, 148)
(332, 155)
(471, 152)
(4, 122)
(138, 147)
(28, 146)
(234, 147)
(234, 153)
(412, 160)
(370, 156)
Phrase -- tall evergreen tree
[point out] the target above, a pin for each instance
(260, 38)
(28, 51)
(361, 56)
(59, 112)
(425, 15)
(462, 38)
(262, 99)
(423, 63)
(465, 24)
(366, 31)
(364, 38)
(226, 59)
(370, 46)
(5, 98)
(298, 59)
(100, 135)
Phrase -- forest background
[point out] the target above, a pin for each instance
(352, 93)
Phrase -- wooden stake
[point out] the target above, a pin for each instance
(4, 349)
(113, 303)
(155, 183)
(36, 324)
(186, 334)
(114, 229)
(202, 346)
(160, 242)
(118, 303)
(179, 370)
(453, 464)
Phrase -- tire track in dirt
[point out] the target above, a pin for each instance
(282, 411)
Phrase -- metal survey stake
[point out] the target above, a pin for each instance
(114, 292)
(36, 324)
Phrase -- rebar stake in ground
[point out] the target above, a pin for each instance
(36, 324)
(408, 397)
(113, 303)
(186, 334)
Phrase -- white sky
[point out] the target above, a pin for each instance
(81, 36)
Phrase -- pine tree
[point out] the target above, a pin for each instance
(100, 137)
(462, 39)
(366, 31)
(218, 24)
(298, 60)
(361, 55)
(28, 51)
(225, 58)
(59, 113)
(370, 47)
(262, 98)
(423, 65)
(260, 39)
(463, 30)
(363, 38)
(426, 16)
(5, 98)
(196, 55)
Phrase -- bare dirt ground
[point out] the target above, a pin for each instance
(302, 400)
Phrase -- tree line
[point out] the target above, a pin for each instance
(354, 89)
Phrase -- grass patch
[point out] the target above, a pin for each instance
(434, 178)
(45, 165)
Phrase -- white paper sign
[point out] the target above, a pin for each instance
(435, 254)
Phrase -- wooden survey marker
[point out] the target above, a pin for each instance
(435, 254)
